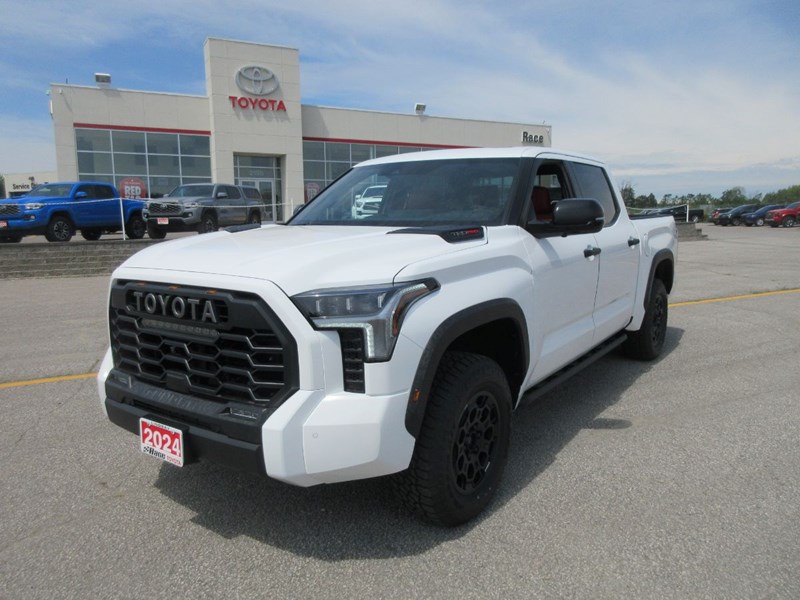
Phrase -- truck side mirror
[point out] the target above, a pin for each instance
(570, 217)
(80, 195)
(221, 195)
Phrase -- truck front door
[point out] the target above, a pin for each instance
(564, 279)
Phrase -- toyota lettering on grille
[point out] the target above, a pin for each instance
(178, 307)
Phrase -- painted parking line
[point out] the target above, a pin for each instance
(14, 384)
(731, 298)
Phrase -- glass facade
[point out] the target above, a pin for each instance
(161, 160)
(264, 173)
(325, 161)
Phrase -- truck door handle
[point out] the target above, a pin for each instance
(591, 251)
(632, 241)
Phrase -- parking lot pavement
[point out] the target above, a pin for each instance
(674, 479)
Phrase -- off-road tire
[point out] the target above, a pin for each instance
(208, 223)
(154, 233)
(136, 227)
(462, 448)
(648, 342)
(59, 229)
(91, 235)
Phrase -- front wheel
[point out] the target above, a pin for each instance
(788, 222)
(208, 223)
(462, 448)
(759, 222)
(154, 233)
(648, 342)
(136, 227)
(59, 229)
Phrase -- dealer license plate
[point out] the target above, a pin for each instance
(162, 220)
(161, 441)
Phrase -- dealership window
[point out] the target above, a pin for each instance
(264, 173)
(161, 160)
(325, 161)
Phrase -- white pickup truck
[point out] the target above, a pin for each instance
(336, 347)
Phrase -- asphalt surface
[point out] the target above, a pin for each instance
(673, 479)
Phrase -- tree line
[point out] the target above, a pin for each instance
(735, 196)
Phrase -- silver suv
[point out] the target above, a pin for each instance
(202, 207)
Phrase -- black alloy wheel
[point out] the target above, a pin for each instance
(59, 229)
(648, 342)
(136, 227)
(208, 223)
(462, 448)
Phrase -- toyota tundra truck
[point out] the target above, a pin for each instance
(338, 347)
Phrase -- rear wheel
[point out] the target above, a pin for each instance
(648, 342)
(91, 234)
(254, 217)
(208, 223)
(462, 448)
(136, 227)
(59, 229)
(154, 233)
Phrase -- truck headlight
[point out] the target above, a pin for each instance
(377, 310)
(33, 206)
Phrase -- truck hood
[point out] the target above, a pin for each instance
(299, 258)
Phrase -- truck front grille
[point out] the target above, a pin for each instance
(9, 209)
(244, 354)
(164, 208)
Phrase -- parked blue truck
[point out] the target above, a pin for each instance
(59, 210)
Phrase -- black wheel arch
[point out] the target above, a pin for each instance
(496, 329)
(663, 268)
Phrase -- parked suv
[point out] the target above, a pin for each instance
(758, 217)
(368, 202)
(734, 217)
(784, 216)
(202, 207)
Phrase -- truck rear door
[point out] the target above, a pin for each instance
(619, 247)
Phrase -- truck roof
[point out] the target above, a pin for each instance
(510, 152)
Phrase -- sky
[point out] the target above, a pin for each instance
(676, 97)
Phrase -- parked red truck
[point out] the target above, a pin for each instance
(786, 217)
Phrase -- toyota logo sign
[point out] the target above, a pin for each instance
(255, 80)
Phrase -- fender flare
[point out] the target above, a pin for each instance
(662, 256)
(445, 334)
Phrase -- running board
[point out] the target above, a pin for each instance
(581, 363)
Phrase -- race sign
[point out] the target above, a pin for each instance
(132, 187)
(161, 441)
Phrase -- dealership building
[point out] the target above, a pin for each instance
(250, 128)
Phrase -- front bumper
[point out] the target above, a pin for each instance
(318, 434)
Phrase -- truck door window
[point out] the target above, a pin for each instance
(593, 183)
(549, 187)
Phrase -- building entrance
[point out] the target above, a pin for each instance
(267, 189)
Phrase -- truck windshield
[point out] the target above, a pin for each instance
(54, 190)
(417, 193)
(191, 191)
